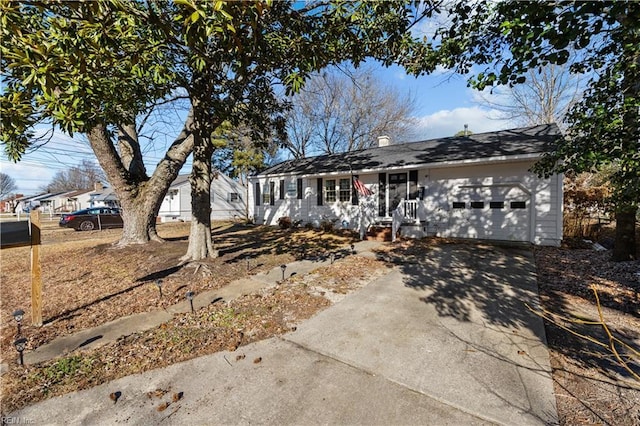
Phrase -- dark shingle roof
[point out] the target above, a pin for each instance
(523, 141)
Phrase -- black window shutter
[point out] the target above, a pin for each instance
(272, 193)
(282, 189)
(413, 184)
(354, 192)
(319, 191)
(382, 194)
(299, 188)
(258, 195)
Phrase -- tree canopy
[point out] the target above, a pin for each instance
(93, 67)
(7, 185)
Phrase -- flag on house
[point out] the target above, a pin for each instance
(359, 186)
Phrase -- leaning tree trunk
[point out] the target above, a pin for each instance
(200, 242)
(140, 196)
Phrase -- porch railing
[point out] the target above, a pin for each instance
(407, 210)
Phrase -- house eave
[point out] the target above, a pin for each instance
(439, 164)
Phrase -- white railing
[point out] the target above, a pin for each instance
(410, 209)
(407, 210)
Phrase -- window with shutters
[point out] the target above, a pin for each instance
(345, 189)
(330, 190)
(266, 194)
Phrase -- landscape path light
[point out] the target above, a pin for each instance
(159, 284)
(18, 315)
(190, 295)
(283, 267)
(353, 248)
(332, 257)
(20, 344)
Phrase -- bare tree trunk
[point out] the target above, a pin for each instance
(625, 244)
(200, 242)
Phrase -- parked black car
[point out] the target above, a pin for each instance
(92, 218)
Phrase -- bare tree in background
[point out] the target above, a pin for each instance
(544, 98)
(82, 176)
(339, 112)
(7, 185)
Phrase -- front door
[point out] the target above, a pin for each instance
(397, 190)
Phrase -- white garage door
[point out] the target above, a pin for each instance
(491, 212)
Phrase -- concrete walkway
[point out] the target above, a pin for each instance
(441, 339)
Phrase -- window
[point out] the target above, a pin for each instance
(477, 204)
(345, 189)
(458, 205)
(257, 193)
(496, 205)
(266, 194)
(281, 191)
(518, 204)
(330, 190)
(234, 197)
(292, 189)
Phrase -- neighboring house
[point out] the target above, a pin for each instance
(42, 201)
(103, 197)
(74, 201)
(227, 200)
(8, 205)
(476, 186)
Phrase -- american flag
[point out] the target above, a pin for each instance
(359, 186)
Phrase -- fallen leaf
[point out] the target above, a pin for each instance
(177, 396)
(163, 406)
(257, 360)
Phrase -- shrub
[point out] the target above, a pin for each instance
(284, 222)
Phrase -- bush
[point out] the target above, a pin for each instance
(284, 222)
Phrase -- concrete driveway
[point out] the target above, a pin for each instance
(443, 338)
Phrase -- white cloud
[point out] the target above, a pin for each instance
(445, 123)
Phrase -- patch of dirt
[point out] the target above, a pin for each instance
(88, 282)
(591, 383)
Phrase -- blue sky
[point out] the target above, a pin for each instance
(443, 106)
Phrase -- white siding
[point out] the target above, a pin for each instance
(177, 203)
(539, 222)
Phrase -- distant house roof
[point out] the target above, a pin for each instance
(74, 194)
(515, 142)
(106, 194)
(180, 180)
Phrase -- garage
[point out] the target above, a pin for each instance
(497, 212)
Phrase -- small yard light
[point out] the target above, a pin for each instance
(18, 315)
(190, 295)
(159, 284)
(20, 345)
(353, 248)
(283, 267)
(332, 257)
